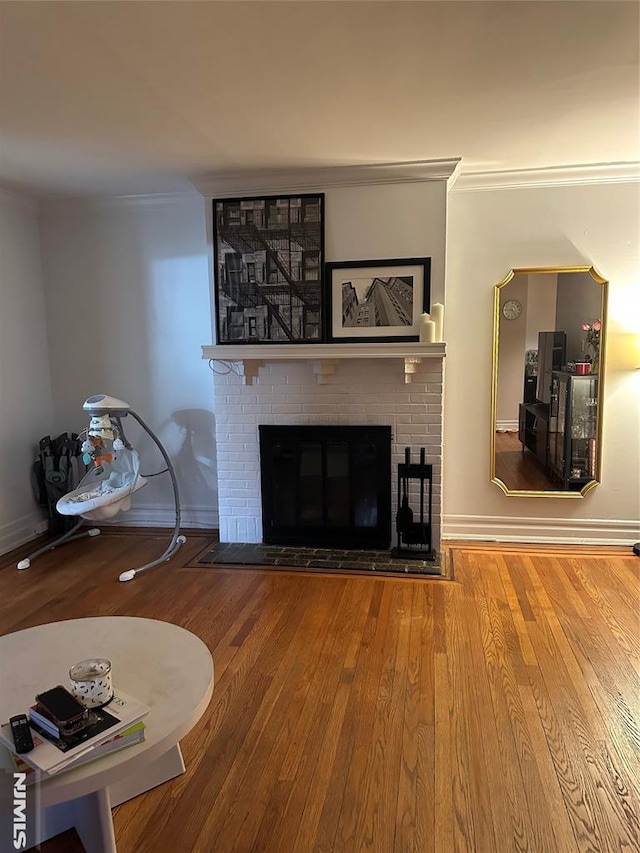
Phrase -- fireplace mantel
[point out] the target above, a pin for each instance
(246, 359)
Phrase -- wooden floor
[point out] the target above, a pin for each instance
(519, 470)
(497, 712)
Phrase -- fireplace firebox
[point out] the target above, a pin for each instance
(326, 486)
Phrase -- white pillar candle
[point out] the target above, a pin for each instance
(427, 329)
(437, 315)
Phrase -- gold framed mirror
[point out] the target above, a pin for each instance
(549, 342)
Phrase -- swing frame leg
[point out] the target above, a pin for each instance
(177, 539)
(69, 536)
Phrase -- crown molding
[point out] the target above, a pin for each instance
(552, 176)
(116, 201)
(299, 180)
(449, 171)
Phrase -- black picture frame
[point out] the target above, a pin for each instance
(378, 300)
(268, 269)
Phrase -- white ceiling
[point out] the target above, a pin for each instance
(136, 97)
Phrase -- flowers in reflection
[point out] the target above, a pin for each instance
(592, 340)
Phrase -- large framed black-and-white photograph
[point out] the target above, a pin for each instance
(269, 261)
(378, 300)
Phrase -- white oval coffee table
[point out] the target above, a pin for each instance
(162, 665)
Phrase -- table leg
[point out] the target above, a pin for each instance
(93, 822)
(166, 767)
(56, 819)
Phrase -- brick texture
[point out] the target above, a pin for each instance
(359, 392)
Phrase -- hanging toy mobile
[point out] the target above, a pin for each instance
(114, 476)
(93, 447)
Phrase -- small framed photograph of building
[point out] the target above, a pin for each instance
(378, 300)
(268, 263)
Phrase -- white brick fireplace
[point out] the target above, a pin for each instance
(386, 384)
(396, 210)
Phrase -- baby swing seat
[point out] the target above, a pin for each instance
(113, 478)
(107, 490)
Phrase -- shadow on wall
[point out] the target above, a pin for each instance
(195, 460)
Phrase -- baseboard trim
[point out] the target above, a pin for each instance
(560, 531)
(148, 515)
(29, 527)
(22, 530)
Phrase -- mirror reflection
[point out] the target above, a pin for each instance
(549, 336)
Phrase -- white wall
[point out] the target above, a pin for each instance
(491, 231)
(26, 410)
(128, 307)
(389, 221)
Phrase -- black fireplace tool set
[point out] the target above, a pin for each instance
(415, 536)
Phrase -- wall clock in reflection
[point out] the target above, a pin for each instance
(512, 309)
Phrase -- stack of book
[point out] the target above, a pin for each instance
(114, 727)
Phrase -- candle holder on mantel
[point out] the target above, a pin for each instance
(415, 530)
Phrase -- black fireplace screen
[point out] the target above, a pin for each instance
(326, 486)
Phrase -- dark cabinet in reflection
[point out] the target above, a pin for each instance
(573, 429)
(552, 347)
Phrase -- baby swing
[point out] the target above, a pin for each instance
(113, 478)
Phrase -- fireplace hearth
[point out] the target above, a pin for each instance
(326, 486)
(341, 561)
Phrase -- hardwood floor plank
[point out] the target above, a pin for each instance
(364, 748)
(423, 630)
(577, 737)
(521, 641)
(519, 764)
(569, 591)
(268, 668)
(376, 826)
(497, 712)
(578, 797)
(623, 660)
(485, 734)
(415, 819)
(505, 602)
(559, 825)
(625, 575)
(472, 820)
(328, 736)
(522, 588)
(331, 815)
(444, 811)
(624, 630)
(278, 728)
